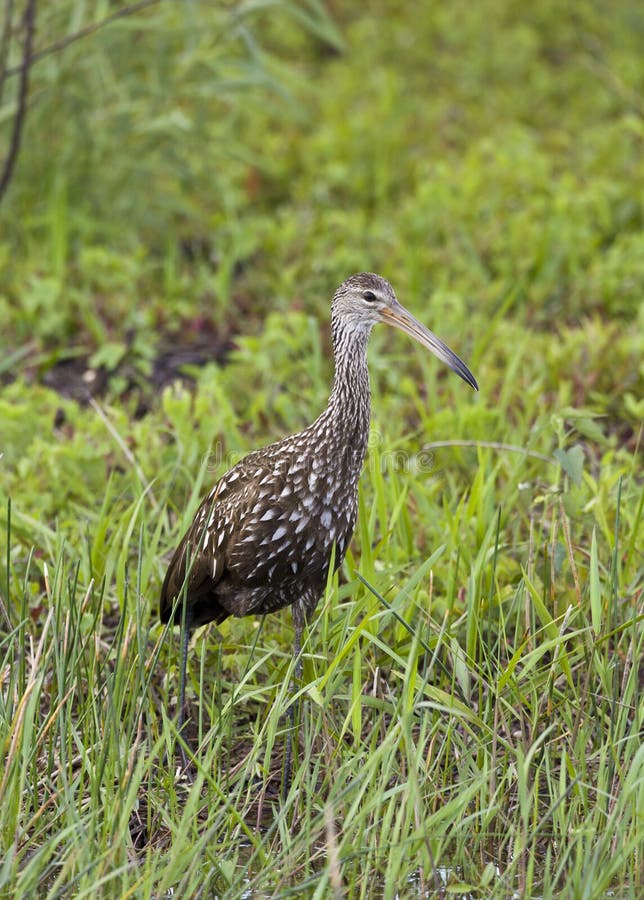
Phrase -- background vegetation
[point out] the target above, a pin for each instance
(193, 181)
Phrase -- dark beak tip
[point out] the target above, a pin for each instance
(467, 376)
(402, 319)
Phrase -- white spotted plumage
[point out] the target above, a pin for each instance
(264, 536)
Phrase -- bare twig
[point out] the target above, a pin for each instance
(64, 42)
(126, 451)
(492, 445)
(29, 23)
(4, 44)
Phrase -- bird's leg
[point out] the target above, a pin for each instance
(298, 624)
(291, 736)
(186, 631)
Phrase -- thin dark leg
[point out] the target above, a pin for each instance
(291, 736)
(186, 631)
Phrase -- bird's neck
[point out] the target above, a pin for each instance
(349, 409)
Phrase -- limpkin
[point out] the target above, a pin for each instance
(264, 536)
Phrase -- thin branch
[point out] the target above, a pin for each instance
(4, 44)
(492, 445)
(29, 23)
(84, 32)
(126, 451)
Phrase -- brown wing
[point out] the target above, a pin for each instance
(261, 539)
(199, 561)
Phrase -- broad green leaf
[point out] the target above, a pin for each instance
(572, 462)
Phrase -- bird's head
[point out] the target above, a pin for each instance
(364, 300)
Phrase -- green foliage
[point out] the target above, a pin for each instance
(471, 709)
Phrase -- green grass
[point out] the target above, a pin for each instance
(471, 707)
(479, 717)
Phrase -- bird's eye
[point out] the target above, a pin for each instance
(370, 296)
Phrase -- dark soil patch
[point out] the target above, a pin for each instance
(175, 354)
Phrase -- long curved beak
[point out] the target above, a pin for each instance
(399, 317)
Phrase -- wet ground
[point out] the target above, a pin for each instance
(175, 354)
